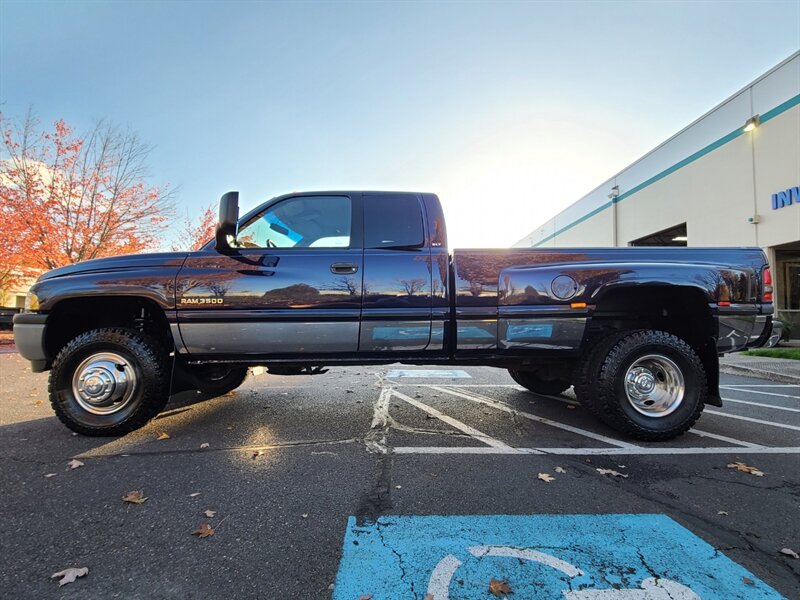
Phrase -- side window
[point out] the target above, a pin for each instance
(301, 222)
(392, 222)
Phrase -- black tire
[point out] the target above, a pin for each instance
(215, 380)
(143, 358)
(602, 387)
(531, 381)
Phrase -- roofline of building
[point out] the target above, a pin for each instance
(675, 135)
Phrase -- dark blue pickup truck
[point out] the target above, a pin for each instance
(310, 280)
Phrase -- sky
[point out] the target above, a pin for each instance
(508, 111)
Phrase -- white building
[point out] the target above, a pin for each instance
(731, 178)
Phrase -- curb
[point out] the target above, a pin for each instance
(760, 373)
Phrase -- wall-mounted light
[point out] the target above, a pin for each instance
(752, 123)
(614, 192)
(680, 238)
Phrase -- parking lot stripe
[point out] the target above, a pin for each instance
(746, 385)
(752, 420)
(509, 409)
(471, 431)
(639, 450)
(724, 387)
(797, 410)
(724, 438)
(463, 450)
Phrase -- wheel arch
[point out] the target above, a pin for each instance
(682, 310)
(70, 317)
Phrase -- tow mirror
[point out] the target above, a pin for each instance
(228, 221)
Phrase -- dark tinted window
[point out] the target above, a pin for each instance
(392, 221)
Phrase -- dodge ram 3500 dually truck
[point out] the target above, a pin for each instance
(309, 280)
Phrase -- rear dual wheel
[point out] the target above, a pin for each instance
(647, 384)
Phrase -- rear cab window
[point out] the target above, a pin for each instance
(392, 221)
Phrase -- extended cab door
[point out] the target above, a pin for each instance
(396, 313)
(293, 287)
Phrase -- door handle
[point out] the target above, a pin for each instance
(344, 268)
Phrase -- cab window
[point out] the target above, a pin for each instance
(392, 221)
(301, 222)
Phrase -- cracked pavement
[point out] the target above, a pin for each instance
(291, 458)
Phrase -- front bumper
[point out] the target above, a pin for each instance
(29, 331)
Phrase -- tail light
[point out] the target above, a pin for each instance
(766, 285)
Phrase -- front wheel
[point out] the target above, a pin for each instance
(109, 381)
(538, 385)
(647, 384)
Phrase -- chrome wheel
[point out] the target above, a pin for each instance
(104, 383)
(654, 385)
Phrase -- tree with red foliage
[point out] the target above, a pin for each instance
(194, 234)
(65, 198)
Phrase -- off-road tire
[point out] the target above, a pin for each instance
(219, 386)
(602, 384)
(150, 362)
(531, 381)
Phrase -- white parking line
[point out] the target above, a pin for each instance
(752, 420)
(504, 407)
(724, 438)
(738, 385)
(724, 387)
(797, 410)
(471, 431)
(654, 451)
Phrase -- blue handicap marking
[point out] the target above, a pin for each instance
(543, 557)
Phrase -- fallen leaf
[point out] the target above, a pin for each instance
(748, 581)
(134, 497)
(257, 453)
(398, 487)
(194, 495)
(163, 435)
(205, 530)
(611, 472)
(365, 597)
(205, 445)
(790, 552)
(50, 474)
(210, 513)
(546, 477)
(746, 469)
(70, 575)
(497, 588)
(304, 515)
(428, 597)
(560, 470)
(74, 463)
(722, 512)
(570, 406)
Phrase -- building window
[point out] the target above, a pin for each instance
(792, 285)
(674, 236)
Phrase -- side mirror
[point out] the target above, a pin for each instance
(228, 221)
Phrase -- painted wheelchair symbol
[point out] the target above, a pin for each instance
(650, 589)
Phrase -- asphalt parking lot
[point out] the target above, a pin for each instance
(301, 473)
